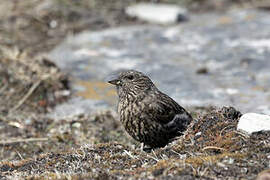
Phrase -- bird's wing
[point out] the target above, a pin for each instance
(164, 109)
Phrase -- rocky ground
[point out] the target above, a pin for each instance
(34, 145)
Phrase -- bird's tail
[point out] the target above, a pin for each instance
(179, 123)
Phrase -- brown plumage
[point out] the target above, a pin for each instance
(148, 115)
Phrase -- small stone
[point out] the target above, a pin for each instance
(63, 93)
(197, 135)
(119, 146)
(253, 122)
(157, 13)
(76, 125)
(53, 24)
(202, 70)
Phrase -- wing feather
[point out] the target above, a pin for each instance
(164, 109)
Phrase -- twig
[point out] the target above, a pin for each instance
(154, 153)
(12, 141)
(194, 170)
(155, 158)
(204, 171)
(180, 155)
(19, 154)
(129, 154)
(4, 88)
(31, 90)
(213, 147)
(11, 123)
(220, 134)
(15, 124)
(242, 134)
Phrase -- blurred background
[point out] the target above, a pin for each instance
(200, 52)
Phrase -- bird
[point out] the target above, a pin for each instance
(147, 114)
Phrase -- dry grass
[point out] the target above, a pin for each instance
(113, 155)
(29, 83)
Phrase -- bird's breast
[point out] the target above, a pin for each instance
(130, 116)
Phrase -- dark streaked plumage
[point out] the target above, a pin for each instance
(148, 115)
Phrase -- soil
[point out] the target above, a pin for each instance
(92, 146)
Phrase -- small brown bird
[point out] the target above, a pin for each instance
(148, 115)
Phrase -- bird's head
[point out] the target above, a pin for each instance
(132, 83)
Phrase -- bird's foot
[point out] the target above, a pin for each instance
(145, 148)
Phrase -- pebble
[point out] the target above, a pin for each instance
(157, 13)
(76, 125)
(253, 122)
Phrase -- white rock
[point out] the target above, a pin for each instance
(76, 125)
(156, 13)
(252, 122)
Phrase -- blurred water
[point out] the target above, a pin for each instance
(234, 48)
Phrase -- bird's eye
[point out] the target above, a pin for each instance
(130, 77)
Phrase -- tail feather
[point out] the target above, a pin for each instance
(179, 123)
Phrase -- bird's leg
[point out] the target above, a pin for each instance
(142, 146)
(145, 148)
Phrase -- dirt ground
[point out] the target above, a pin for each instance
(212, 148)
(95, 146)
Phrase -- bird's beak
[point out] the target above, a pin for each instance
(116, 82)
